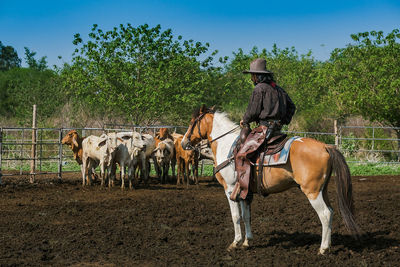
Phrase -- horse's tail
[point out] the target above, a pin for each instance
(344, 189)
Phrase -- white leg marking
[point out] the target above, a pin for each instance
(235, 212)
(325, 215)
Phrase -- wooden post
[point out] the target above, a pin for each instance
(41, 150)
(33, 150)
(22, 151)
(1, 151)
(373, 138)
(60, 154)
(335, 127)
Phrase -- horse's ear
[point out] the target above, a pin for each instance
(203, 109)
(213, 108)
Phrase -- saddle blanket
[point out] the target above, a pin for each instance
(281, 157)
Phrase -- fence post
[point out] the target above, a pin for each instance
(335, 127)
(60, 154)
(22, 151)
(41, 150)
(1, 151)
(373, 138)
(202, 168)
(33, 150)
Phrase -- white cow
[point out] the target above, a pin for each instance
(101, 149)
(129, 146)
(163, 153)
(143, 156)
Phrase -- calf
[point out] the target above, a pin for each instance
(184, 158)
(143, 156)
(160, 136)
(163, 153)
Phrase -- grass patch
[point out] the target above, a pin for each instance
(361, 169)
(374, 169)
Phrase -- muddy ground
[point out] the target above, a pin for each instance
(63, 224)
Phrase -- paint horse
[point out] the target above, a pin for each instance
(309, 166)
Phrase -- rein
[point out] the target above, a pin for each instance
(198, 119)
(228, 132)
(228, 160)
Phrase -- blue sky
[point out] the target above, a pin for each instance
(47, 27)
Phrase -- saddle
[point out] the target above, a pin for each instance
(275, 144)
(261, 141)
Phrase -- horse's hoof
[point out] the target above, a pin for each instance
(246, 244)
(323, 251)
(232, 247)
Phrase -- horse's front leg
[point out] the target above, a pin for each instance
(235, 212)
(246, 215)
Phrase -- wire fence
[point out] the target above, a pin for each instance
(359, 144)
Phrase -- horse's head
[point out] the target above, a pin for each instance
(200, 127)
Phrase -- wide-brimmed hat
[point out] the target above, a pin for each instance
(258, 66)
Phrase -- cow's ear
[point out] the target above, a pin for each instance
(126, 137)
(74, 141)
(102, 143)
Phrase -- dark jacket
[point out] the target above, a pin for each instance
(269, 103)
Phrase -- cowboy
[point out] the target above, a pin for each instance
(270, 107)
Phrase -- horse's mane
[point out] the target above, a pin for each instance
(221, 117)
(223, 120)
(202, 109)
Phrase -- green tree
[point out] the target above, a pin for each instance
(8, 58)
(33, 63)
(20, 88)
(365, 77)
(141, 73)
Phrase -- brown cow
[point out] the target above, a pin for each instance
(184, 158)
(73, 140)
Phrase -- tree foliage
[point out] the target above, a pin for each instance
(366, 76)
(20, 88)
(140, 73)
(33, 63)
(8, 58)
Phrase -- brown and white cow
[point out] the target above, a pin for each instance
(74, 141)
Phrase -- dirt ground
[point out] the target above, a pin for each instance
(63, 224)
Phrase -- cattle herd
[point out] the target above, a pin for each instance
(132, 152)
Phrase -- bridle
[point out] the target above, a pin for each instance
(197, 120)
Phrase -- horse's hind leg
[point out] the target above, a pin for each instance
(325, 214)
(246, 215)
